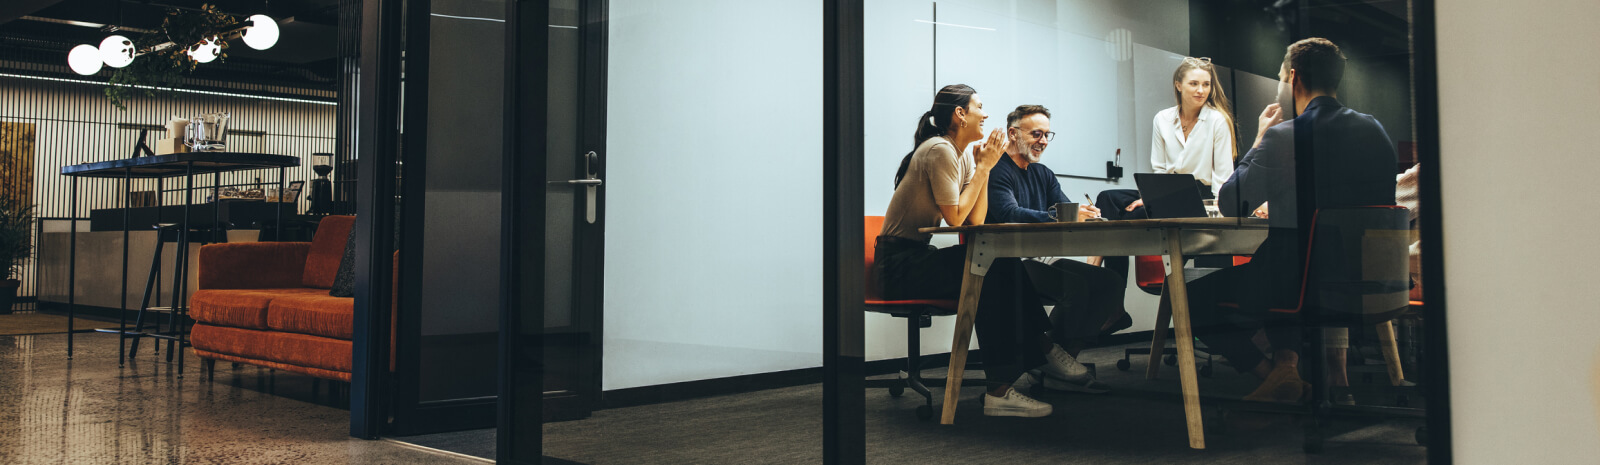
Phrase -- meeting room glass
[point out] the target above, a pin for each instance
(1112, 77)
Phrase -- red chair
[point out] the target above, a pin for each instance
(1356, 275)
(918, 314)
(1149, 273)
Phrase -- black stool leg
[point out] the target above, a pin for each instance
(149, 288)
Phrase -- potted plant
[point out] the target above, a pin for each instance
(16, 245)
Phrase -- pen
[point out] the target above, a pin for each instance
(1091, 202)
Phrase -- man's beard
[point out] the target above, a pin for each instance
(1030, 156)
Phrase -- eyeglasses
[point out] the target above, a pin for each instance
(1040, 135)
(1198, 60)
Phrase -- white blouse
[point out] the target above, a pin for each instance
(1207, 153)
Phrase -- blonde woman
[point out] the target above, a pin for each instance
(1195, 136)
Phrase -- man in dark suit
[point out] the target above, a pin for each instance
(1354, 166)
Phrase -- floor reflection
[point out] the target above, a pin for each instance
(88, 410)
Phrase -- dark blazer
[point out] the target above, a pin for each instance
(1355, 166)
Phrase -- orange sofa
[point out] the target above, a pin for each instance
(267, 304)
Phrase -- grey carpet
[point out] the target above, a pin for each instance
(1141, 423)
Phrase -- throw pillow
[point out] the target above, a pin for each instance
(344, 281)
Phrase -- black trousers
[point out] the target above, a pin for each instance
(1113, 204)
(1085, 297)
(1228, 331)
(1010, 321)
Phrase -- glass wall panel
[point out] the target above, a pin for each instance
(461, 207)
(1167, 134)
(711, 212)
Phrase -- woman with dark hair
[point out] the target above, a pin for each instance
(937, 182)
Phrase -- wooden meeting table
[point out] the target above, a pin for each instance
(1174, 238)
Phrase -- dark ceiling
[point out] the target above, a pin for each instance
(305, 57)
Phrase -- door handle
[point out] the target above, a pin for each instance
(591, 184)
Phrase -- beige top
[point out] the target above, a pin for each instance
(937, 175)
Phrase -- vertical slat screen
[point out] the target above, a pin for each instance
(74, 123)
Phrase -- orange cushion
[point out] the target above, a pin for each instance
(312, 351)
(238, 308)
(248, 343)
(290, 348)
(327, 248)
(316, 314)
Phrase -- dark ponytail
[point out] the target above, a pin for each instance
(936, 121)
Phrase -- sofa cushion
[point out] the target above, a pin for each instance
(322, 263)
(316, 314)
(238, 342)
(238, 308)
(311, 351)
(273, 346)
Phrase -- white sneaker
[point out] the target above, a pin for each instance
(1062, 366)
(1014, 404)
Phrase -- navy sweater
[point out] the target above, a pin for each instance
(1022, 196)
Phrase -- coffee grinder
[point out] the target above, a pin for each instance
(321, 196)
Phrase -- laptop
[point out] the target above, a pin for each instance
(1170, 195)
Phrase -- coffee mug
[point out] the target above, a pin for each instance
(1071, 215)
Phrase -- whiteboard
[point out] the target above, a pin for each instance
(1076, 78)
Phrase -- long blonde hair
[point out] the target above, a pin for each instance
(1217, 100)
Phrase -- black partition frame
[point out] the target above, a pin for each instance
(520, 439)
(1424, 42)
(375, 137)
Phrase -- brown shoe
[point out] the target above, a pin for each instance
(1283, 385)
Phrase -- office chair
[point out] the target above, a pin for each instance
(918, 314)
(1150, 275)
(1356, 276)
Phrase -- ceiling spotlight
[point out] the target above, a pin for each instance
(262, 34)
(206, 51)
(85, 59)
(116, 51)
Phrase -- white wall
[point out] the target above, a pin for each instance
(1519, 88)
(714, 205)
(1093, 92)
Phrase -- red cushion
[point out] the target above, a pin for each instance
(327, 248)
(238, 308)
(315, 314)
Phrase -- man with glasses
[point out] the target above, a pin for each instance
(1088, 299)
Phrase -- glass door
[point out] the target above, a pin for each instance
(555, 221)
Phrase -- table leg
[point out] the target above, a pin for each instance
(1158, 336)
(1180, 317)
(966, 314)
(72, 269)
(1391, 353)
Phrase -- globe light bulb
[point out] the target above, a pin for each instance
(85, 59)
(263, 32)
(206, 51)
(116, 51)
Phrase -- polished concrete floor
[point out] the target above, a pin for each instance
(1141, 423)
(89, 411)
